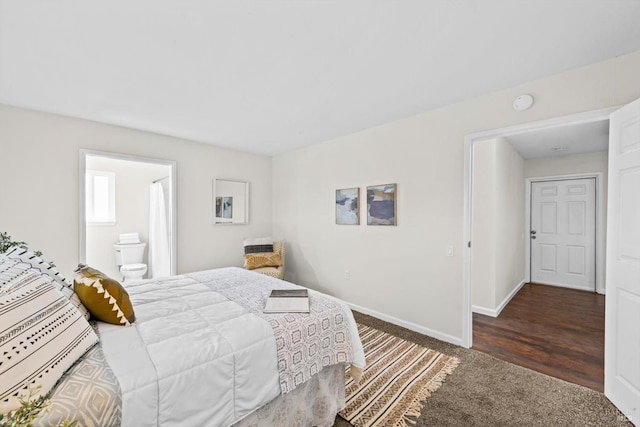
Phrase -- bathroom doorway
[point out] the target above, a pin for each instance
(124, 199)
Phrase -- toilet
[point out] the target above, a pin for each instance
(130, 257)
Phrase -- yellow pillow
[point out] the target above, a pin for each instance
(104, 297)
(264, 259)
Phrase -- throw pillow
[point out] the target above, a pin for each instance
(259, 245)
(9, 270)
(105, 298)
(266, 259)
(26, 256)
(30, 260)
(41, 336)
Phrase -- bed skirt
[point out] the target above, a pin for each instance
(89, 394)
(314, 403)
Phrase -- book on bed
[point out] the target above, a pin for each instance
(287, 301)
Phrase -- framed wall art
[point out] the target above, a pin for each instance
(230, 202)
(381, 205)
(224, 207)
(347, 206)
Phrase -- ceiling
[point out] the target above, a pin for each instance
(562, 141)
(271, 76)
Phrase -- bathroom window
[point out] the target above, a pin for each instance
(100, 198)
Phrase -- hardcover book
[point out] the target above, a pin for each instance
(294, 293)
(287, 301)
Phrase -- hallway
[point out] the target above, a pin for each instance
(553, 330)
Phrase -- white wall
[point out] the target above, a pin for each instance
(132, 181)
(498, 261)
(510, 223)
(39, 196)
(567, 165)
(483, 282)
(402, 271)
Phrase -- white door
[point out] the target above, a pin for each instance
(622, 313)
(563, 233)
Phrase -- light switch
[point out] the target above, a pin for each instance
(449, 251)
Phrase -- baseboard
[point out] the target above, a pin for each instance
(483, 310)
(496, 312)
(409, 325)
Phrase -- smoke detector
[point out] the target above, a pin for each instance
(523, 102)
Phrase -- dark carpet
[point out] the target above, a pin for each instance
(484, 391)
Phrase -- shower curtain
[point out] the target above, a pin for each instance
(159, 256)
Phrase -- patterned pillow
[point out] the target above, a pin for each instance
(9, 270)
(26, 256)
(41, 336)
(105, 298)
(25, 259)
(259, 245)
(265, 259)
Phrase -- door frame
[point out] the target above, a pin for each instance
(469, 141)
(600, 224)
(82, 166)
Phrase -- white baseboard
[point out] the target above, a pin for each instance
(483, 310)
(409, 325)
(496, 312)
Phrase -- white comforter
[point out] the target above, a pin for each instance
(193, 357)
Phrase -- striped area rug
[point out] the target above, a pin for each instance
(398, 377)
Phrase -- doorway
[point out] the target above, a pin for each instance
(536, 202)
(127, 200)
(522, 131)
(562, 231)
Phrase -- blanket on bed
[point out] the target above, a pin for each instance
(306, 343)
(202, 353)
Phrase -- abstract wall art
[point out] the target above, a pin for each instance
(381, 205)
(227, 207)
(347, 203)
(224, 207)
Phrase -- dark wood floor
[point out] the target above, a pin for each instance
(553, 330)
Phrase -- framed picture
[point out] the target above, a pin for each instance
(381, 204)
(218, 207)
(227, 207)
(224, 207)
(347, 206)
(230, 202)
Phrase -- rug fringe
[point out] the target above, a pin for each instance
(415, 409)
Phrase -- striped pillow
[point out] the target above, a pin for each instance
(26, 256)
(28, 259)
(41, 336)
(259, 245)
(9, 270)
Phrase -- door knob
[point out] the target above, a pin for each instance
(533, 237)
(533, 232)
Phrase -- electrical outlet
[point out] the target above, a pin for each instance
(347, 275)
(449, 251)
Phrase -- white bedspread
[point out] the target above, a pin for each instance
(194, 357)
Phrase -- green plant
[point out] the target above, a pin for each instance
(7, 241)
(30, 408)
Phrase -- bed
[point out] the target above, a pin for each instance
(202, 353)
